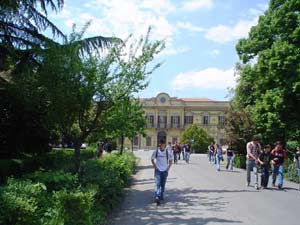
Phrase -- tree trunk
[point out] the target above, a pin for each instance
(122, 144)
(77, 146)
(132, 144)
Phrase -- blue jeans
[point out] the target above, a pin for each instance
(160, 181)
(264, 176)
(229, 163)
(278, 171)
(251, 166)
(218, 161)
(187, 157)
(210, 156)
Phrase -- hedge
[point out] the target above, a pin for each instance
(59, 197)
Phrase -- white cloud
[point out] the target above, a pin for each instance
(210, 78)
(161, 7)
(173, 51)
(193, 5)
(214, 52)
(188, 26)
(224, 34)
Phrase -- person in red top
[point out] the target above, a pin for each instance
(278, 156)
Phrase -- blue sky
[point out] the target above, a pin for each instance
(200, 35)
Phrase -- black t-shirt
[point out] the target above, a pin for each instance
(229, 152)
(265, 158)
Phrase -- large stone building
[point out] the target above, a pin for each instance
(168, 117)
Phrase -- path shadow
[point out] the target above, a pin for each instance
(140, 208)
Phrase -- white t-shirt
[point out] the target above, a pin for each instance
(161, 160)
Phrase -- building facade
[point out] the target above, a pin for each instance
(167, 118)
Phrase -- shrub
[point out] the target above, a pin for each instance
(20, 202)
(240, 161)
(290, 171)
(74, 207)
(54, 180)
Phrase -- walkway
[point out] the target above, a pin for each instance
(197, 194)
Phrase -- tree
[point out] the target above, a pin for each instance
(73, 94)
(24, 50)
(269, 86)
(197, 137)
(125, 120)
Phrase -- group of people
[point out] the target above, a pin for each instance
(256, 157)
(215, 156)
(177, 150)
(103, 146)
(163, 157)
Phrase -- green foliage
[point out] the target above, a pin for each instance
(201, 138)
(126, 119)
(290, 171)
(268, 89)
(240, 161)
(54, 180)
(57, 197)
(107, 177)
(74, 207)
(20, 202)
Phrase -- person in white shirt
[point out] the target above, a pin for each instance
(161, 160)
(253, 151)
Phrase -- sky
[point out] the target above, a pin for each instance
(200, 38)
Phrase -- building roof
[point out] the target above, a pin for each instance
(197, 100)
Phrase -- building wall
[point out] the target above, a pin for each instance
(164, 107)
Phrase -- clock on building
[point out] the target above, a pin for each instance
(162, 99)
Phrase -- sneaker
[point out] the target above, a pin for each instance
(256, 187)
(157, 200)
(279, 186)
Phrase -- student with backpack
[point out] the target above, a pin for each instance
(278, 157)
(161, 160)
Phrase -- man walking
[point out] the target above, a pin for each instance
(278, 157)
(161, 160)
(253, 150)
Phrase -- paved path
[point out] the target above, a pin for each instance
(197, 194)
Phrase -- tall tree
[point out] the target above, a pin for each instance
(73, 95)
(269, 86)
(125, 120)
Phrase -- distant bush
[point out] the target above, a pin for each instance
(240, 161)
(290, 172)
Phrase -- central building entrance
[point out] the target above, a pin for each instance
(161, 135)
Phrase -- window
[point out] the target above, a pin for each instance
(136, 140)
(162, 120)
(222, 120)
(148, 141)
(188, 119)
(150, 120)
(175, 121)
(205, 120)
